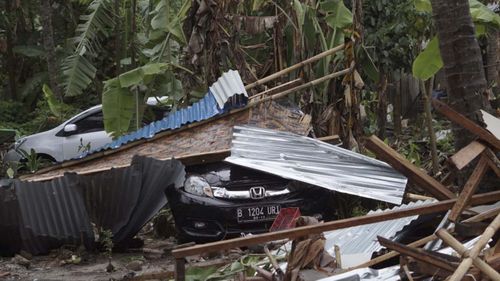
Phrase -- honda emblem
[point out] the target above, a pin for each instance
(257, 192)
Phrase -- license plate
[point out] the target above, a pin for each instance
(260, 213)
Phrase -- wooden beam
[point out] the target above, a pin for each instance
(398, 162)
(493, 161)
(418, 254)
(482, 265)
(465, 155)
(466, 123)
(474, 252)
(328, 226)
(484, 215)
(469, 189)
(393, 254)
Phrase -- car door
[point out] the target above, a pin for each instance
(89, 133)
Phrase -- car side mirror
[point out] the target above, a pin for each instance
(70, 128)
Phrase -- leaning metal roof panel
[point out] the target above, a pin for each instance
(225, 94)
(315, 162)
(226, 86)
(359, 242)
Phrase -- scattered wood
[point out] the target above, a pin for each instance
(398, 162)
(469, 189)
(484, 215)
(466, 123)
(393, 254)
(457, 246)
(441, 206)
(465, 155)
(418, 254)
(471, 255)
(493, 161)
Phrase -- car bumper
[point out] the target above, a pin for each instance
(12, 156)
(204, 219)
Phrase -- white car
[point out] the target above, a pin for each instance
(63, 142)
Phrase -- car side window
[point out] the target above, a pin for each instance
(91, 123)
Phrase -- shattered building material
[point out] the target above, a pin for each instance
(311, 161)
(357, 244)
(469, 188)
(466, 123)
(367, 274)
(190, 140)
(389, 155)
(492, 123)
(440, 206)
(465, 155)
(228, 92)
(46, 215)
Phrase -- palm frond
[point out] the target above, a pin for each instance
(78, 74)
(78, 71)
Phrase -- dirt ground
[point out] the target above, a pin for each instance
(58, 265)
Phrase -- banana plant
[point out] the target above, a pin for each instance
(429, 61)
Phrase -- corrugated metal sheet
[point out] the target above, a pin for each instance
(358, 243)
(157, 176)
(46, 215)
(225, 94)
(226, 86)
(52, 214)
(386, 274)
(315, 162)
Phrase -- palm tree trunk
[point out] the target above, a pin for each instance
(492, 57)
(11, 60)
(463, 65)
(49, 46)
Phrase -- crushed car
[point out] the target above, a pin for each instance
(221, 200)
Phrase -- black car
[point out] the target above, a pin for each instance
(222, 200)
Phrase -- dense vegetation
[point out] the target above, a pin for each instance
(119, 52)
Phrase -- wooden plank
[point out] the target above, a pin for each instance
(393, 254)
(465, 155)
(466, 123)
(398, 162)
(493, 161)
(459, 248)
(469, 189)
(417, 253)
(484, 215)
(328, 226)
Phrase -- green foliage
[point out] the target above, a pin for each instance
(119, 97)
(32, 161)
(428, 62)
(106, 239)
(77, 69)
(393, 30)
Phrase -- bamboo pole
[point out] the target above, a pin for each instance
(474, 252)
(484, 215)
(277, 88)
(294, 67)
(457, 246)
(255, 102)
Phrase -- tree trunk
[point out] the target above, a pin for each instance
(463, 65)
(427, 94)
(49, 46)
(396, 116)
(382, 106)
(492, 57)
(11, 60)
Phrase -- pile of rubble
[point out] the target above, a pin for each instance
(121, 186)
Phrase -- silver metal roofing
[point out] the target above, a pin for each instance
(358, 243)
(228, 85)
(315, 162)
(386, 274)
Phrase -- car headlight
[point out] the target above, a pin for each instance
(198, 186)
